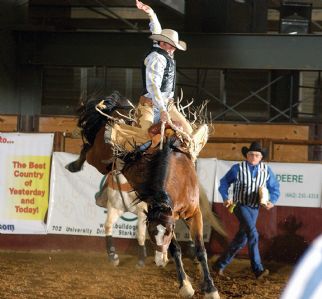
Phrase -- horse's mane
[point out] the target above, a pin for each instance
(152, 188)
(90, 121)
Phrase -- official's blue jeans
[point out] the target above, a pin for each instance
(247, 217)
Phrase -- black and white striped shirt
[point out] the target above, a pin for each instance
(249, 179)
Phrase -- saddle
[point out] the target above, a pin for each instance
(154, 132)
(156, 128)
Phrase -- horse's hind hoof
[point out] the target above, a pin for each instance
(114, 259)
(140, 264)
(72, 168)
(115, 263)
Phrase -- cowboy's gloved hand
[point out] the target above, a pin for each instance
(146, 8)
(228, 203)
(164, 116)
(269, 206)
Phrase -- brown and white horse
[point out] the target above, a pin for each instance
(166, 181)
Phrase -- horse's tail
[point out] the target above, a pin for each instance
(208, 213)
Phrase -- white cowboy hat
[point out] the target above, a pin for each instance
(171, 37)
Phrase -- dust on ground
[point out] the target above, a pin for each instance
(89, 275)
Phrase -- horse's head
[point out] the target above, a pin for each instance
(160, 225)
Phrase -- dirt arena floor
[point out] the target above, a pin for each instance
(67, 274)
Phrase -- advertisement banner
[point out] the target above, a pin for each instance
(300, 183)
(24, 182)
(72, 208)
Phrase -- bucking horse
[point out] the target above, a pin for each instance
(163, 177)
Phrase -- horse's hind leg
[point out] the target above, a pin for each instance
(77, 165)
(196, 230)
(141, 235)
(112, 256)
(186, 289)
(112, 216)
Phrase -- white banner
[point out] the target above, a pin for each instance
(24, 182)
(300, 183)
(72, 208)
(206, 170)
(221, 169)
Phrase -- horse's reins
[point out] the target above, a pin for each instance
(120, 191)
(180, 132)
(162, 134)
(114, 170)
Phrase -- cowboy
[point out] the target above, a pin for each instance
(247, 177)
(158, 74)
(156, 102)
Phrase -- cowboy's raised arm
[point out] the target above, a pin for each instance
(155, 26)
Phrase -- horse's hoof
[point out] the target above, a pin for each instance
(140, 264)
(116, 263)
(114, 259)
(186, 291)
(212, 295)
(72, 168)
(69, 168)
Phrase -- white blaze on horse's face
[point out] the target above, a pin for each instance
(159, 236)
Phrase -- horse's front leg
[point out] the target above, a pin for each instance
(112, 215)
(196, 230)
(141, 236)
(186, 289)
